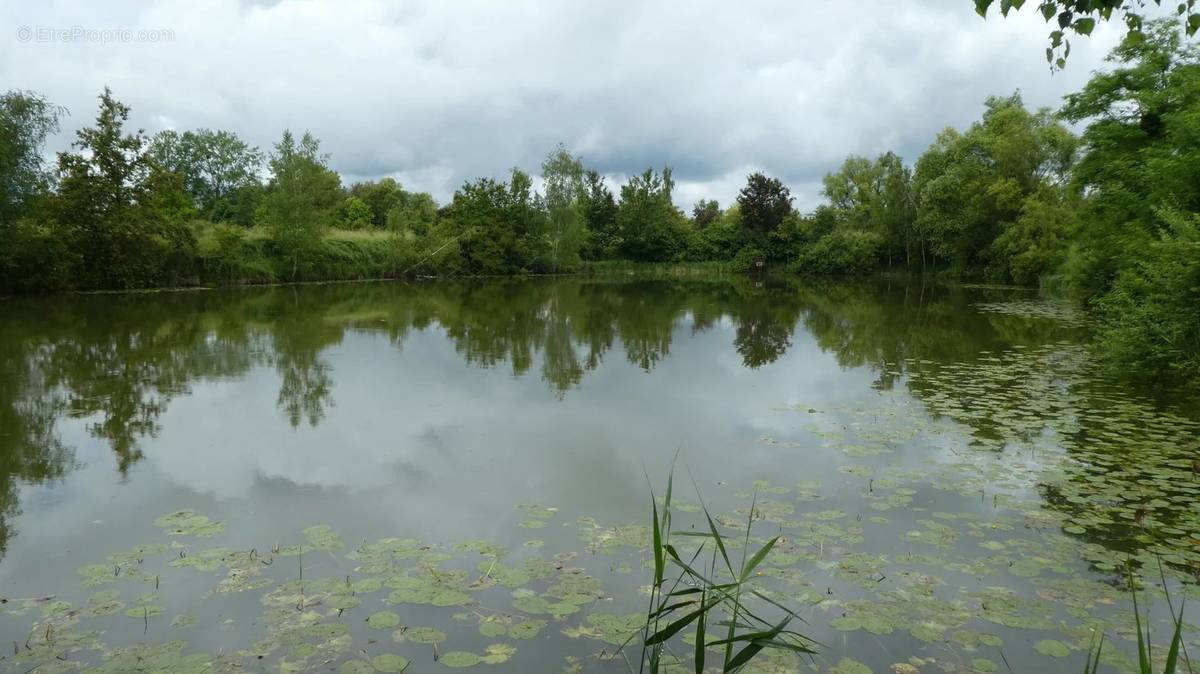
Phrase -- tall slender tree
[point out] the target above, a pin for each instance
(566, 226)
(300, 201)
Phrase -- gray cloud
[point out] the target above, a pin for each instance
(436, 92)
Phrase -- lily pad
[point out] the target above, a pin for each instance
(420, 635)
(527, 629)
(389, 662)
(1052, 648)
(460, 659)
(383, 620)
(849, 666)
(498, 653)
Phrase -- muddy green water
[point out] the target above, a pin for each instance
(354, 477)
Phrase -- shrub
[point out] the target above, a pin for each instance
(229, 254)
(177, 251)
(1150, 318)
(720, 240)
(746, 259)
(353, 258)
(33, 257)
(842, 251)
(354, 213)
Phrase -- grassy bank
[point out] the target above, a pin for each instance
(229, 256)
(658, 269)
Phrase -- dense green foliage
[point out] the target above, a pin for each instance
(1112, 215)
(30, 256)
(218, 169)
(764, 203)
(1002, 174)
(599, 209)
(649, 227)
(121, 214)
(1136, 250)
(971, 188)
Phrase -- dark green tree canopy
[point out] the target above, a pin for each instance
(122, 213)
(381, 196)
(500, 226)
(108, 173)
(1141, 152)
(213, 165)
(764, 203)
(705, 212)
(1143, 136)
(416, 213)
(600, 216)
(874, 196)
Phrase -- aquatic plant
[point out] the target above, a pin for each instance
(1145, 648)
(695, 597)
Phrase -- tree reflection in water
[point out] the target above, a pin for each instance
(117, 361)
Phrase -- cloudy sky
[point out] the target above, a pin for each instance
(434, 92)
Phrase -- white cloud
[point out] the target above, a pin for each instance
(436, 92)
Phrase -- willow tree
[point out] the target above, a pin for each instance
(26, 119)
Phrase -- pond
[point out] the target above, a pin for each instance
(364, 477)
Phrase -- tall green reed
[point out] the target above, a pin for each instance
(1145, 649)
(719, 594)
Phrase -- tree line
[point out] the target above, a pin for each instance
(1017, 197)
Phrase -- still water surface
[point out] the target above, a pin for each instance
(956, 489)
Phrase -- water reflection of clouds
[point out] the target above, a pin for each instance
(467, 397)
(418, 415)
